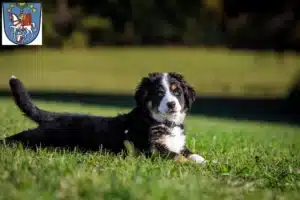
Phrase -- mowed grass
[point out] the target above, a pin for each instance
(210, 71)
(256, 161)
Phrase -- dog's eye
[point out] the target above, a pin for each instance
(177, 92)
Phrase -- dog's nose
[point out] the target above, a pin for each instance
(171, 104)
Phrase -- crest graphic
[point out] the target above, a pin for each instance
(21, 24)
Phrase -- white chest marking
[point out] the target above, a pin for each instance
(175, 142)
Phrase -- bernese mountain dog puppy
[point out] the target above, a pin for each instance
(154, 125)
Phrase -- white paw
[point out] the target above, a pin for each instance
(198, 159)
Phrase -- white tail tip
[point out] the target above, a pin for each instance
(13, 77)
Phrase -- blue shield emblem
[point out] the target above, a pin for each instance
(21, 23)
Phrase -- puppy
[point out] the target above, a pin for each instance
(155, 124)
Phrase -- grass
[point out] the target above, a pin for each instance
(219, 72)
(257, 161)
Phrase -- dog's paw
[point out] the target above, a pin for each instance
(198, 159)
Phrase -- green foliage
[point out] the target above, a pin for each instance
(97, 30)
(80, 37)
(50, 37)
(96, 22)
(256, 161)
(77, 40)
(148, 19)
(194, 22)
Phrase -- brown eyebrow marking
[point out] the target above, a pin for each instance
(173, 86)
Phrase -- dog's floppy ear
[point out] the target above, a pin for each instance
(141, 92)
(189, 92)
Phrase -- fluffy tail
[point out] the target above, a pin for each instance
(24, 102)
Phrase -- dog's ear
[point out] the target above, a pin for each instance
(141, 92)
(142, 89)
(152, 75)
(189, 91)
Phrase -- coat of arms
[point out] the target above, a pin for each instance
(21, 24)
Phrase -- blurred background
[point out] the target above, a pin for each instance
(241, 56)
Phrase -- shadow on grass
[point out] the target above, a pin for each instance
(257, 109)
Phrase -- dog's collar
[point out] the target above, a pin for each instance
(173, 124)
(146, 117)
(166, 123)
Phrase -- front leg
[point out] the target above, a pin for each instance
(192, 156)
(158, 139)
(185, 153)
(163, 150)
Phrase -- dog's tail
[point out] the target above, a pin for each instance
(24, 102)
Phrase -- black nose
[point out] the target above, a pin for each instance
(171, 104)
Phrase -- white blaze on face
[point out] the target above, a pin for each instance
(169, 97)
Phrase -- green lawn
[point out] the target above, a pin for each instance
(257, 161)
(112, 70)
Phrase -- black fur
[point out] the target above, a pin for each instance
(189, 92)
(94, 132)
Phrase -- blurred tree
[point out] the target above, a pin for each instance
(247, 23)
(261, 26)
(64, 20)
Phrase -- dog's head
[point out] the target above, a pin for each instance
(166, 95)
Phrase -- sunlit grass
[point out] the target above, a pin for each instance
(256, 161)
(113, 70)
